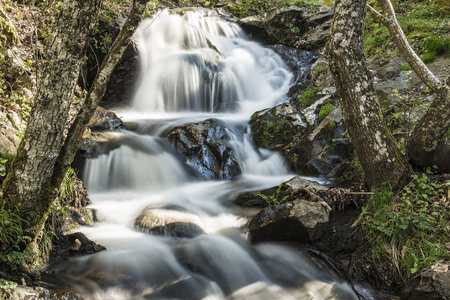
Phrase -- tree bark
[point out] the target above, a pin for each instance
(97, 91)
(426, 146)
(378, 153)
(28, 185)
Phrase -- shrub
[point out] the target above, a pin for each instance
(410, 230)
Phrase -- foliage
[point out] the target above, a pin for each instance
(8, 285)
(411, 229)
(308, 96)
(66, 189)
(12, 238)
(424, 23)
(273, 130)
(273, 199)
(325, 110)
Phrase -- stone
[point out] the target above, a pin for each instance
(205, 148)
(104, 120)
(433, 283)
(276, 127)
(168, 222)
(298, 221)
(289, 188)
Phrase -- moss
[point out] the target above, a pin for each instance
(308, 96)
(8, 34)
(325, 110)
(237, 10)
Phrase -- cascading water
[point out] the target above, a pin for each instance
(194, 67)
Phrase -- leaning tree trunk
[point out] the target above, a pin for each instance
(426, 146)
(97, 91)
(28, 184)
(378, 153)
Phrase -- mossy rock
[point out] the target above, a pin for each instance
(8, 37)
(236, 10)
(8, 34)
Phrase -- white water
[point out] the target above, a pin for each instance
(194, 67)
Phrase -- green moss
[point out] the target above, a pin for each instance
(237, 10)
(308, 96)
(325, 110)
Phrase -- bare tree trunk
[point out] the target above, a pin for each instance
(28, 185)
(378, 153)
(97, 90)
(426, 146)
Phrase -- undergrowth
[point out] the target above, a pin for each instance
(274, 198)
(410, 229)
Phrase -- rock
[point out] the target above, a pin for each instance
(316, 38)
(289, 188)
(322, 149)
(298, 221)
(288, 23)
(390, 69)
(8, 38)
(168, 222)
(433, 283)
(299, 61)
(205, 148)
(321, 74)
(276, 127)
(122, 83)
(103, 120)
(9, 140)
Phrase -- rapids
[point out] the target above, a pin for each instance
(195, 66)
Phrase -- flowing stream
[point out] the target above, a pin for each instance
(194, 67)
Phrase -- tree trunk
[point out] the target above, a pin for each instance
(426, 146)
(28, 185)
(378, 153)
(97, 91)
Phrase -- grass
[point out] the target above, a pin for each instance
(425, 25)
(274, 198)
(409, 229)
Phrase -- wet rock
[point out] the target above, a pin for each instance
(288, 23)
(205, 148)
(316, 38)
(104, 120)
(299, 61)
(122, 83)
(433, 283)
(168, 222)
(322, 149)
(289, 188)
(298, 221)
(275, 128)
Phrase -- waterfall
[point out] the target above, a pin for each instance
(195, 66)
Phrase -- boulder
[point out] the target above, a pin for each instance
(168, 222)
(277, 127)
(205, 148)
(433, 283)
(122, 83)
(298, 221)
(287, 24)
(322, 149)
(299, 61)
(104, 120)
(289, 188)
